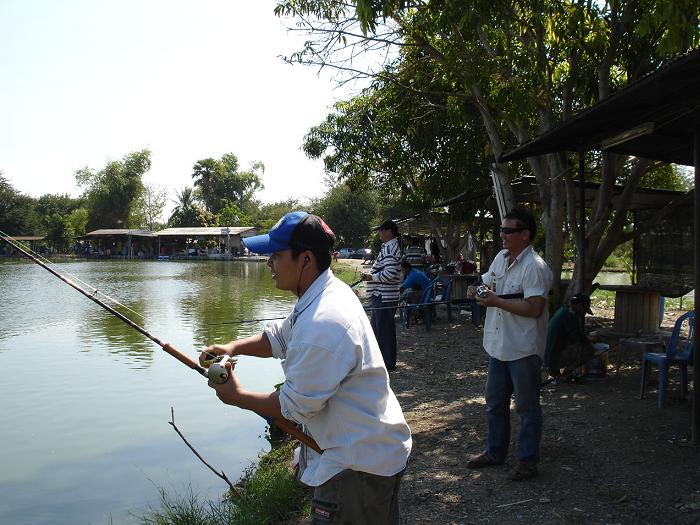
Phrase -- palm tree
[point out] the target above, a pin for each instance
(183, 205)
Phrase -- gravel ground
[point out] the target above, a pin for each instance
(607, 456)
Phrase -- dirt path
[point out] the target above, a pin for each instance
(607, 456)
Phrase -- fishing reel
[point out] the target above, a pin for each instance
(217, 372)
(482, 291)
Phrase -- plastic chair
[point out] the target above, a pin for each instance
(428, 295)
(678, 351)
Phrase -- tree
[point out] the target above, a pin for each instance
(55, 213)
(151, 205)
(350, 214)
(414, 151)
(208, 178)
(523, 66)
(59, 232)
(241, 185)
(113, 193)
(219, 181)
(187, 213)
(231, 214)
(17, 211)
(268, 214)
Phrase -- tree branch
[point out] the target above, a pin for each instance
(222, 475)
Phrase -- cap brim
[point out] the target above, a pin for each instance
(264, 244)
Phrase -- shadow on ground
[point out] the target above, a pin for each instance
(607, 456)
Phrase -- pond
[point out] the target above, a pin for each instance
(86, 400)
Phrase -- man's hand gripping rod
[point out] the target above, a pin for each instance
(218, 374)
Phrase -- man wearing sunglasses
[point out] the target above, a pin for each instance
(514, 337)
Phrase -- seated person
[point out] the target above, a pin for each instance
(567, 345)
(413, 253)
(414, 283)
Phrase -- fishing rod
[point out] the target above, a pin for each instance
(245, 321)
(216, 372)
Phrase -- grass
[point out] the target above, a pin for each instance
(345, 272)
(606, 299)
(266, 493)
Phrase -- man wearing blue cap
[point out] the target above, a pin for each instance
(336, 384)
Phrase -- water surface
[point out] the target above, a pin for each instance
(85, 400)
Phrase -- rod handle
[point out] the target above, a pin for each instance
(290, 428)
(184, 359)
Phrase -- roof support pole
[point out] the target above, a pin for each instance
(696, 353)
(582, 220)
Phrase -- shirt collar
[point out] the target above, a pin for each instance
(394, 240)
(311, 293)
(521, 255)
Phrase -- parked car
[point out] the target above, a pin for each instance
(346, 253)
(363, 253)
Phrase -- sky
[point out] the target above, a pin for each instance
(83, 82)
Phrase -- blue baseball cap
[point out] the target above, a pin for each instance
(297, 229)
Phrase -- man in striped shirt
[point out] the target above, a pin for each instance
(383, 284)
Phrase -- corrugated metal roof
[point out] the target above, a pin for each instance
(120, 231)
(213, 231)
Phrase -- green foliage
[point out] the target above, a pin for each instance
(347, 273)
(269, 493)
(77, 220)
(520, 67)
(17, 211)
(221, 181)
(268, 214)
(418, 149)
(59, 232)
(61, 219)
(187, 213)
(667, 177)
(266, 494)
(232, 215)
(150, 206)
(350, 214)
(112, 193)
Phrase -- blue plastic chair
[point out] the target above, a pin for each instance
(428, 295)
(678, 351)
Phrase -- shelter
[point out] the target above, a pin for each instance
(118, 242)
(34, 241)
(656, 117)
(227, 240)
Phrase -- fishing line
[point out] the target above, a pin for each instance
(218, 370)
(15, 244)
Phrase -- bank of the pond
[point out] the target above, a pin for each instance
(607, 456)
(267, 493)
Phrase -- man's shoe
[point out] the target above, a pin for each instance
(523, 470)
(482, 460)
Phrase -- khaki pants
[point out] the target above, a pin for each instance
(358, 498)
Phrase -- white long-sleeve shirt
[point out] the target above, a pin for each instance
(337, 386)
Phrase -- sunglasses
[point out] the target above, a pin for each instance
(508, 231)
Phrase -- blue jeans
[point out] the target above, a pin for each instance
(384, 328)
(522, 378)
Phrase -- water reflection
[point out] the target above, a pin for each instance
(103, 390)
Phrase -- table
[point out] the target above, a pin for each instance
(636, 308)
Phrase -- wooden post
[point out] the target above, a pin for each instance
(696, 356)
